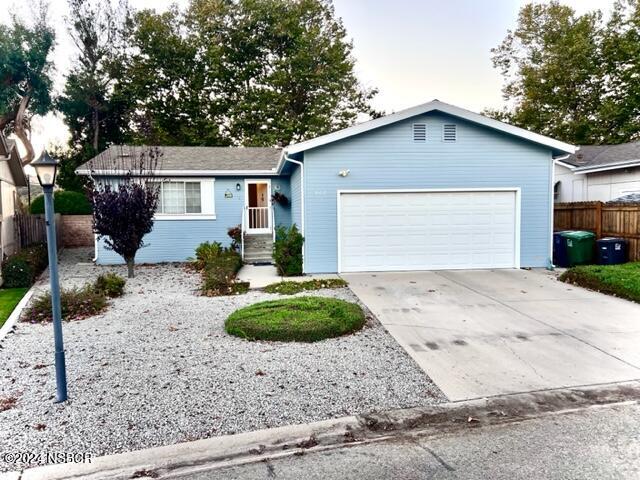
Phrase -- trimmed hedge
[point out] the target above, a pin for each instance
(299, 319)
(65, 202)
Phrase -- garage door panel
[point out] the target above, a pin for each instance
(427, 230)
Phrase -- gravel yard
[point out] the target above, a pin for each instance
(157, 368)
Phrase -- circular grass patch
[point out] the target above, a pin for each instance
(300, 319)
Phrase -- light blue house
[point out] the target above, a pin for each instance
(431, 187)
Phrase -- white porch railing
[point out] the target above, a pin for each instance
(259, 218)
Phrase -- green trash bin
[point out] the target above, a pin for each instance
(580, 247)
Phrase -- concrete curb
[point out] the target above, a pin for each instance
(15, 315)
(217, 452)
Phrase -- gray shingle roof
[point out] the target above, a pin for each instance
(594, 156)
(630, 198)
(200, 158)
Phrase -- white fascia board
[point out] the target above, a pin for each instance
(425, 108)
(185, 173)
(566, 165)
(611, 166)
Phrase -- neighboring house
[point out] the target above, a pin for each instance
(430, 187)
(11, 176)
(598, 172)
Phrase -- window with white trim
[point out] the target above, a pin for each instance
(186, 197)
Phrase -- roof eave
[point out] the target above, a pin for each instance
(611, 166)
(558, 147)
(184, 173)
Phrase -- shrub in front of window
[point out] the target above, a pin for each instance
(219, 267)
(124, 213)
(287, 251)
(64, 203)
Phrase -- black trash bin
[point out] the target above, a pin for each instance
(612, 251)
(560, 258)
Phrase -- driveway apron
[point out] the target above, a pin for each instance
(490, 332)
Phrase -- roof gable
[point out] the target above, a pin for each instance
(558, 148)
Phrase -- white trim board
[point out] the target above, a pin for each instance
(517, 224)
(434, 105)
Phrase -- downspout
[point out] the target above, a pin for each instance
(297, 162)
(552, 182)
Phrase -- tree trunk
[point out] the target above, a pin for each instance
(20, 129)
(130, 264)
(96, 128)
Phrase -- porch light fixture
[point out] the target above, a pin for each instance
(238, 187)
(344, 173)
(46, 169)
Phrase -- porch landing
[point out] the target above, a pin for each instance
(259, 276)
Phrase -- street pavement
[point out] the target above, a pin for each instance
(594, 443)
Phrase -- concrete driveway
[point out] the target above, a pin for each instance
(489, 332)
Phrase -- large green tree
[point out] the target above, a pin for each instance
(550, 66)
(242, 72)
(25, 74)
(573, 77)
(92, 109)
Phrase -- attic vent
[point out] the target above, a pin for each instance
(449, 133)
(419, 132)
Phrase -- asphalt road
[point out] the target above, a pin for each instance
(597, 443)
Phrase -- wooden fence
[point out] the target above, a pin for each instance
(603, 219)
(30, 229)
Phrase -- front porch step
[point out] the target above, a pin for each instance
(258, 248)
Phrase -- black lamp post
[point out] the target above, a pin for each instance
(46, 169)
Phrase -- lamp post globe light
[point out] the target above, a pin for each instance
(46, 169)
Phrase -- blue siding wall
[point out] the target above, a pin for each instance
(387, 158)
(176, 240)
(282, 214)
(296, 196)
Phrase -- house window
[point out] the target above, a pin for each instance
(449, 133)
(420, 132)
(556, 191)
(186, 197)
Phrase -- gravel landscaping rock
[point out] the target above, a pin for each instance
(157, 368)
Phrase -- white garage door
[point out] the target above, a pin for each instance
(389, 231)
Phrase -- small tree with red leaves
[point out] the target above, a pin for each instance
(124, 193)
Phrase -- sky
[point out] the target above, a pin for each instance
(412, 51)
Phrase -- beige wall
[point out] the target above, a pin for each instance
(7, 193)
(603, 186)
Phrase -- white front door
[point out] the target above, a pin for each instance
(258, 206)
(428, 230)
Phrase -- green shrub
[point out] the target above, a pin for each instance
(219, 266)
(300, 319)
(65, 202)
(37, 256)
(111, 284)
(219, 275)
(76, 304)
(21, 269)
(206, 253)
(289, 288)
(17, 272)
(287, 251)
